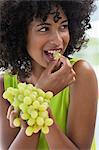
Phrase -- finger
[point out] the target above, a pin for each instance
(51, 66)
(63, 71)
(73, 72)
(65, 65)
(65, 61)
(23, 123)
(13, 115)
(72, 75)
(9, 111)
(72, 81)
(67, 80)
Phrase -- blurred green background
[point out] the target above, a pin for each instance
(91, 52)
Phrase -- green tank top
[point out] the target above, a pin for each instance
(60, 113)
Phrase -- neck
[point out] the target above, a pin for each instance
(36, 73)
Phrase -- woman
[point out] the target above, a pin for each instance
(31, 31)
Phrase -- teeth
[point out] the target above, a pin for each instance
(52, 52)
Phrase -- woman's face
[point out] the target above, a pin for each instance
(44, 38)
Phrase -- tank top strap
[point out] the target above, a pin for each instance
(74, 60)
(10, 80)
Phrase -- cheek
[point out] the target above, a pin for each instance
(66, 37)
(33, 43)
(38, 41)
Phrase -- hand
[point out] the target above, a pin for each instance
(56, 80)
(21, 141)
(12, 114)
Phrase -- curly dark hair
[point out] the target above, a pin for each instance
(15, 17)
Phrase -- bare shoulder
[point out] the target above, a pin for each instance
(82, 68)
(85, 74)
(86, 83)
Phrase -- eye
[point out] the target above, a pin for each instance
(44, 29)
(63, 27)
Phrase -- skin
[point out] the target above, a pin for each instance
(83, 92)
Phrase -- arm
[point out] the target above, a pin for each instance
(10, 136)
(82, 112)
(57, 139)
(7, 134)
(83, 106)
(24, 142)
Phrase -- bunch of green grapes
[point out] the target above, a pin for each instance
(32, 104)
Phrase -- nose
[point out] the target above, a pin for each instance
(56, 39)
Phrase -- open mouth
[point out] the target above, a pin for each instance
(50, 53)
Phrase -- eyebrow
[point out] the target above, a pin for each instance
(45, 23)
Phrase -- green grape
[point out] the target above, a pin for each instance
(27, 92)
(21, 90)
(35, 93)
(25, 116)
(17, 122)
(47, 100)
(16, 92)
(8, 95)
(10, 99)
(30, 87)
(48, 121)
(40, 121)
(36, 104)
(43, 114)
(5, 95)
(20, 97)
(45, 129)
(10, 90)
(33, 96)
(34, 89)
(43, 106)
(40, 99)
(27, 100)
(13, 91)
(41, 92)
(30, 109)
(36, 128)
(16, 103)
(46, 105)
(22, 85)
(34, 114)
(29, 131)
(23, 107)
(31, 122)
(57, 55)
(48, 95)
